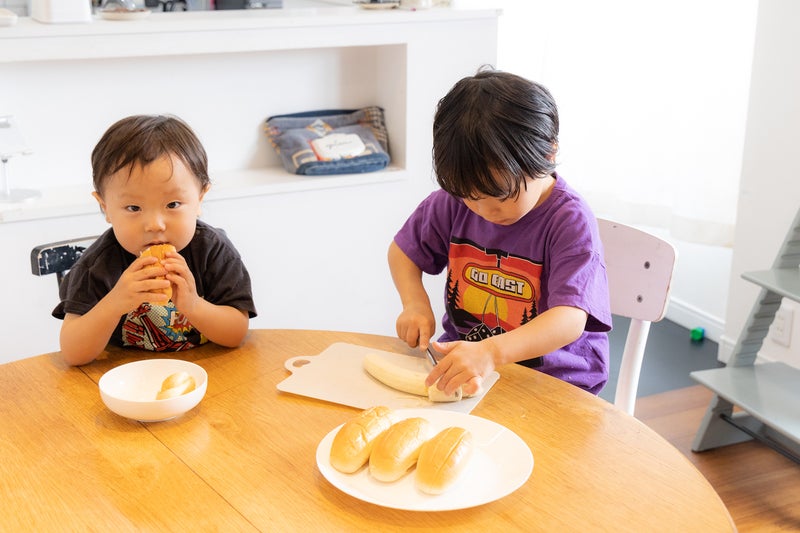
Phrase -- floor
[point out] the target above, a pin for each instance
(760, 487)
(669, 357)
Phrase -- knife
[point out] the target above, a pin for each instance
(431, 357)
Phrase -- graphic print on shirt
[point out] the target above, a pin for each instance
(159, 328)
(490, 291)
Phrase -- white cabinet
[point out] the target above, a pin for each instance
(224, 73)
(315, 246)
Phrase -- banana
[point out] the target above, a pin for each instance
(436, 395)
(405, 379)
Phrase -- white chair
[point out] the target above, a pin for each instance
(640, 267)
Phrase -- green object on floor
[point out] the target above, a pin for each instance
(698, 334)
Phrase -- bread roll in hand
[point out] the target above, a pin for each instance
(158, 251)
(352, 444)
(176, 384)
(442, 459)
(396, 449)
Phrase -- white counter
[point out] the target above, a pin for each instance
(300, 24)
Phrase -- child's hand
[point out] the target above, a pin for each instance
(416, 325)
(184, 289)
(465, 364)
(137, 285)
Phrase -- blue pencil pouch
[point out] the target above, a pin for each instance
(330, 141)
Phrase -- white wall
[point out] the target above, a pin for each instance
(770, 187)
(649, 93)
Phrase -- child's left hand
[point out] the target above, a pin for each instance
(465, 364)
(184, 289)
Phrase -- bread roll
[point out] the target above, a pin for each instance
(176, 384)
(396, 449)
(442, 459)
(353, 443)
(158, 251)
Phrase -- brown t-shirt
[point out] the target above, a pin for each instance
(220, 276)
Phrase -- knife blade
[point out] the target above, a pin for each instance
(431, 357)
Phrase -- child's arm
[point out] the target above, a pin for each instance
(467, 363)
(416, 323)
(221, 324)
(83, 337)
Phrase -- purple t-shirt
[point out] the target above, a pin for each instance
(501, 277)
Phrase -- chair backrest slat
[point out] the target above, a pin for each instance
(639, 267)
(58, 257)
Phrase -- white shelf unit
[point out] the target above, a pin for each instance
(306, 240)
(310, 54)
(768, 394)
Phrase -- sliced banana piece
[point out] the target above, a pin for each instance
(436, 395)
(405, 379)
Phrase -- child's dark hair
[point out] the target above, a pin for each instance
(491, 133)
(142, 139)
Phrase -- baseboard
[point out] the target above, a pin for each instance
(691, 317)
(725, 349)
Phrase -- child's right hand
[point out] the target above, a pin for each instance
(416, 325)
(138, 285)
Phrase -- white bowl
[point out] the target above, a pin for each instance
(130, 389)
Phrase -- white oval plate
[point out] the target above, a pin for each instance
(500, 464)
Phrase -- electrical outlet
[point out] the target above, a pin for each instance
(781, 330)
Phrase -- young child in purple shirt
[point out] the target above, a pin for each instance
(526, 280)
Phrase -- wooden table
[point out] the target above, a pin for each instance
(244, 459)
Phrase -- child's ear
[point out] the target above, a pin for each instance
(552, 157)
(200, 203)
(102, 204)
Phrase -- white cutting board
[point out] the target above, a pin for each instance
(337, 375)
